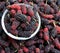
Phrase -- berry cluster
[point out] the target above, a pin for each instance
(22, 21)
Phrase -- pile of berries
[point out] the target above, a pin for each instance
(47, 40)
(21, 20)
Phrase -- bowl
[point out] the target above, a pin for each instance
(20, 38)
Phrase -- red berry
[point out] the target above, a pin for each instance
(30, 42)
(46, 15)
(28, 18)
(13, 6)
(41, 3)
(23, 25)
(19, 0)
(19, 11)
(46, 37)
(2, 51)
(52, 46)
(45, 29)
(51, 21)
(58, 14)
(56, 43)
(13, 27)
(36, 24)
(24, 9)
(15, 32)
(37, 50)
(13, 12)
(52, 10)
(18, 7)
(26, 50)
(20, 51)
(32, 51)
(15, 24)
(58, 29)
(46, 34)
(30, 11)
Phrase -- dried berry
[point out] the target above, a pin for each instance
(26, 50)
(24, 9)
(13, 12)
(37, 50)
(30, 12)
(20, 51)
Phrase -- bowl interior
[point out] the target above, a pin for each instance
(20, 38)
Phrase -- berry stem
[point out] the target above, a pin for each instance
(46, 2)
(15, 50)
(52, 38)
(22, 44)
(48, 42)
(28, 23)
(34, 19)
(54, 24)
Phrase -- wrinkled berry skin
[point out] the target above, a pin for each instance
(24, 9)
(30, 12)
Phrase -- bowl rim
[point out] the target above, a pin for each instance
(20, 38)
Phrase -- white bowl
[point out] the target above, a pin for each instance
(13, 36)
